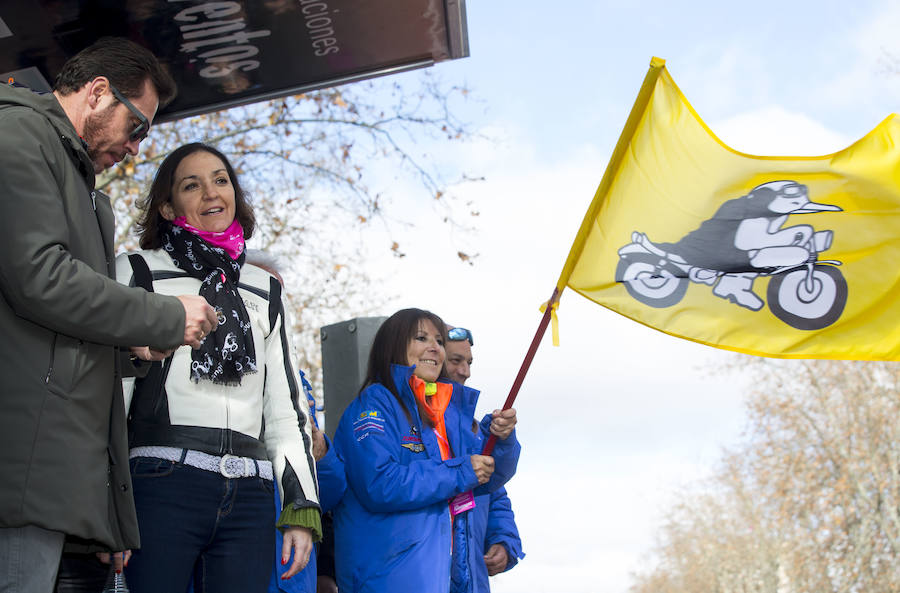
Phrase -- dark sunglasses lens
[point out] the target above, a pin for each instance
(458, 334)
(139, 133)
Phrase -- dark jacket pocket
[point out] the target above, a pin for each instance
(63, 366)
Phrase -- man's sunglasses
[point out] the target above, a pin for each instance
(458, 334)
(140, 131)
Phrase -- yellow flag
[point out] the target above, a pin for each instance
(790, 257)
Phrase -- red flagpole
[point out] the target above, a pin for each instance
(523, 370)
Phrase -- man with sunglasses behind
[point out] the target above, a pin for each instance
(493, 537)
(63, 317)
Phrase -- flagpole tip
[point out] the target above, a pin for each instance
(657, 62)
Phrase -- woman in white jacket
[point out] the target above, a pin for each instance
(212, 431)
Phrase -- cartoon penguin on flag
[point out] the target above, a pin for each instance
(744, 239)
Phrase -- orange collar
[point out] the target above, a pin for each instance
(440, 399)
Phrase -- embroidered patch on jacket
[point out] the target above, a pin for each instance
(368, 422)
(413, 443)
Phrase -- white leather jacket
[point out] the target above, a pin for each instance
(259, 418)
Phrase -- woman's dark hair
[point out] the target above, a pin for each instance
(126, 64)
(151, 221)
(390, 345)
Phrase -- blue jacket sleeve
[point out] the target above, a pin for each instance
(368, 439)
(501, 528)
(332, 479)
(506, 457)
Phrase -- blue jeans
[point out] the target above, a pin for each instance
(29, 558)
(199, 525)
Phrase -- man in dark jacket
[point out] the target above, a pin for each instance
(63, 446)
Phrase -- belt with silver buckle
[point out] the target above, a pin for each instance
(229, 466)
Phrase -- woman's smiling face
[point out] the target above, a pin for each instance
(426, 351)
(202, 193)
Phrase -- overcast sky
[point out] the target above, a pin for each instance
(618, 417)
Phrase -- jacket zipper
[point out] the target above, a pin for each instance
(230, 445)
(52, 356)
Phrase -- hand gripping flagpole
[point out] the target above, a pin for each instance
(637, 111)
(523, 370)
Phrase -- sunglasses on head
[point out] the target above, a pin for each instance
(458, 334)
(140, 131)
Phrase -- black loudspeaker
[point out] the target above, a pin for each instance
(345, 354)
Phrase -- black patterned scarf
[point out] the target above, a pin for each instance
(226, 354)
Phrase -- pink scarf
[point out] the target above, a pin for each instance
(231, 239)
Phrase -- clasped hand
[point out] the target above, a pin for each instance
(503, 422)
(483, 466)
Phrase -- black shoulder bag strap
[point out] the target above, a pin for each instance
(155, 375)
(141, 271)
(274, 301)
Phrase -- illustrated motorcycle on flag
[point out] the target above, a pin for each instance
(742, 241)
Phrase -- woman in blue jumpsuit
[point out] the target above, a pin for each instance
(413, 466)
